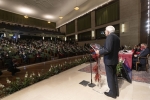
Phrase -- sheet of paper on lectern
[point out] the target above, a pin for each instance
(95, 46)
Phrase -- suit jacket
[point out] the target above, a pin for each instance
(111, 49)
(143, 53)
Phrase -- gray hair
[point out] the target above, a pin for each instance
(144, 44)
(110, 29)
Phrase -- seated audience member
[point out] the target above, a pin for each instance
(24, 57)
(11, 64)
(143, 53)
(136, 49)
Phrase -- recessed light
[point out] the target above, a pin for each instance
(25, 16)
(60, 17)
(48, 16)
(26, 10)
(76, 8)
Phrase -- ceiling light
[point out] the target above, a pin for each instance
(25, 10)
(25, 16)
(48, 22)
(48, 16)
(0, 2)
(76, 8)
(60, 17)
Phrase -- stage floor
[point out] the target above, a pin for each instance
(65, 86)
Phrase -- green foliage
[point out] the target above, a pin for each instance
(118, 68)
(18, 84)
(26, 82)
(56, 69)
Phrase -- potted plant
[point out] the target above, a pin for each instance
(119, 68)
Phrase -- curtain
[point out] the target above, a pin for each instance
(71, 38)
(107, 14)
(15, 18)
(70, 27)
(84, 22)
(85, 36)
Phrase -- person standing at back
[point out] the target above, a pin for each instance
(110, 52)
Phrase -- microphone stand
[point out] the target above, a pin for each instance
(91, 84)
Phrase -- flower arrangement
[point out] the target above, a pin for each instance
(127, 47)
(29, 79)
(119, 67)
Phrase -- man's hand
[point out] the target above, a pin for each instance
(97, 52)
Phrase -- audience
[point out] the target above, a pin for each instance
(41, 50)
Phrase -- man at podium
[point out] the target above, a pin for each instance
(110, 52)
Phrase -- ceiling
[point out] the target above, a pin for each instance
(50, 10)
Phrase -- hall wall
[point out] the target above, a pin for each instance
(130, 12)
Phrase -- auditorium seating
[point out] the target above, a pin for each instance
(31, 51)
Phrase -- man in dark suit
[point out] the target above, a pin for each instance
(110, 52)
(143, 53)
